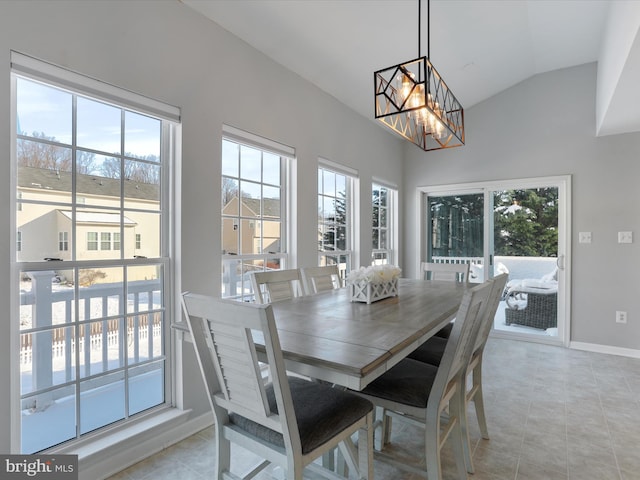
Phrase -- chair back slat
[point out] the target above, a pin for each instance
(449, 272)
(320, 279)
(322, 284)
(222, 335)
(280, 291)
(237, 366)
(276, 285)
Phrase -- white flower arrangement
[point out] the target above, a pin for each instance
(368, 284)
(374, 274)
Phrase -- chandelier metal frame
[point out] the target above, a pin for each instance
(413, 100)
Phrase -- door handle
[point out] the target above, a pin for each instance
(560, 262)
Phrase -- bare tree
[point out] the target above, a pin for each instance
(38, 154)
(229, 190)
(89, 277)
(84, 162)
(110, 168)
(141, 172)
(41, 152)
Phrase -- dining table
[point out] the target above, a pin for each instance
(326, 336)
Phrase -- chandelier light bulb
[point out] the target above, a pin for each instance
(404, 87)
(416, 98)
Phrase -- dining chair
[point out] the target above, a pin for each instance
(420, 393)
(289, 422)
(276, 285)
(320, 279)
(432, 352)
(450, 272)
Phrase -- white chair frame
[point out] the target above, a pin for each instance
(276, 285)
(448, 272)
(221, 331)
(320, 279)
(447, 396)
(474, 369)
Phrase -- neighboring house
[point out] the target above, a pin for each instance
(44, 219)
(241, 223)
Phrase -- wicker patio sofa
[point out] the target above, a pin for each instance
(533, 303)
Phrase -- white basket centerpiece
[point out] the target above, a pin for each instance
(369, 284)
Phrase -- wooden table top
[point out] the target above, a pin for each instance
(326, 336)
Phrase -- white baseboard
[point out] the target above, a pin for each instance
(526, 337)
(594, 347)
(139, 445)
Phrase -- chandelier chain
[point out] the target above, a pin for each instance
(420, 29)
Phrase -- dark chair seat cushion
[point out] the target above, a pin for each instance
(321, 411)
(409, 383)
(431, 351)
(445, 331)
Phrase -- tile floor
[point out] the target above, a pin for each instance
(553, 413)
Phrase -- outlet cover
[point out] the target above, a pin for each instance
(625, 237)
(584, 237)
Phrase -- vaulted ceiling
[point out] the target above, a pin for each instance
(480, 47)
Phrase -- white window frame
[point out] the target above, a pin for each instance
(39, 71)
(63, 241)
(350, 252)
(105, 240)
(391, 227)
(91, 241)
(286, 259)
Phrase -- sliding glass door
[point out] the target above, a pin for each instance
(517, 227)
(456, 230)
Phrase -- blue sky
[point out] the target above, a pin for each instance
(48, 110)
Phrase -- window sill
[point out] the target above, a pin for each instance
(108, 452)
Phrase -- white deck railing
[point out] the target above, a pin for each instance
(47, 348)
(471, 260)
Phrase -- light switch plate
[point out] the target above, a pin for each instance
(625, 237)
(584, 237)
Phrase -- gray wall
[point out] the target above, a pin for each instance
(545, 126)
(166, 51)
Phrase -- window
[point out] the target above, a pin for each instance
(94, 351)
(254, 220)
(92, 240)
(138, 241)
(105, 241)
(63, 241)
(383, 203)
(335, 206)
(18, 241)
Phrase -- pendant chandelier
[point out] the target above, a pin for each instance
(412, 99)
